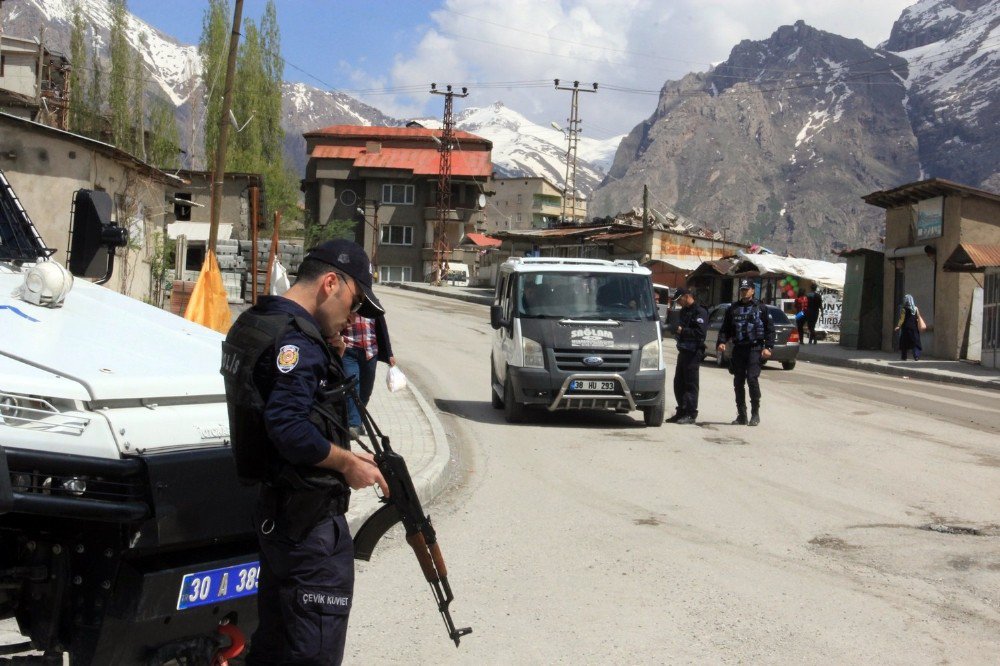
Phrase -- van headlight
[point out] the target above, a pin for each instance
(533, 357)
(650, 359)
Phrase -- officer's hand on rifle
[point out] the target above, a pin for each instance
(721, 347)
(766, 354)
(362, 472)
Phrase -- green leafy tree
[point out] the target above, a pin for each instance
(164, 138)
(95, 97)
(122, 134)
(213, 48)
(78, 112)
(137, 105)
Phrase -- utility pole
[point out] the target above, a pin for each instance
(219, 174)
(445, 145)
(647, 228)
(572, 138)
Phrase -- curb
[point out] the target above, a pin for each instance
(902, 372)
(432, 479)
(434, 291)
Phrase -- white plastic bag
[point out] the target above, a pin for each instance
(395, 380)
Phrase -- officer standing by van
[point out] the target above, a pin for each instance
(287, 395)
(690, 332)
(747, 326)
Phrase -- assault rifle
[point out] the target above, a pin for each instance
(403, 505)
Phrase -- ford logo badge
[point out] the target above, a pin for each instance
(593, 361)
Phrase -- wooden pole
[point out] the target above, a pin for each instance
(219, 173)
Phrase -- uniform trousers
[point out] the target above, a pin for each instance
(304, 596)
(746, 370)
(686, 382)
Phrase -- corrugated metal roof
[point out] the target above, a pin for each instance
(421, 161)
(973, 257)
(378, 133)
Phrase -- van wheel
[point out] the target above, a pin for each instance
(788, 365)
(653, 415)
(513, 410)
(495, 400)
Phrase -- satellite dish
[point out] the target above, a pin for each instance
(482, 201)
(348, 197)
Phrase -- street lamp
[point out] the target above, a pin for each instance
(375, 230)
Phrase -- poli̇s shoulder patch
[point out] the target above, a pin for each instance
(288, 358)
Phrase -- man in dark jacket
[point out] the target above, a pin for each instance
(813, 310)
(748, 327)
(690, 332)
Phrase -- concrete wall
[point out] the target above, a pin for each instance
(235, 201)
(947, 302)
(20, 60)
(45, 172)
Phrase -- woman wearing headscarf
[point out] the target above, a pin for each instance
(909, 331)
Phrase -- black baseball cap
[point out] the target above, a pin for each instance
(681, 291)
(349, 258)
(746, 284)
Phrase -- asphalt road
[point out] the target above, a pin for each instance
(858, 524)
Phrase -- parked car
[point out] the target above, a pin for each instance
(786, 337)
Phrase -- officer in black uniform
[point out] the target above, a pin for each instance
(287, 391)
(748, 327)
(690, 332)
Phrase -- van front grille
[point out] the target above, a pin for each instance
(571, 360)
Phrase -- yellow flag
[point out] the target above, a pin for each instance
(209, 305)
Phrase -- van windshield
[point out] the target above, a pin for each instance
(585, 296)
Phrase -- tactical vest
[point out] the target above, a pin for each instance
(748, 324)
(251, 337)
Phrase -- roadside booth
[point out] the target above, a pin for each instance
(861, 317)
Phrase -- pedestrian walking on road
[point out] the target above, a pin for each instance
(908, 325)
(747, 326)
(815, 307)
(690, 332)
(288, 425)
(366, 343)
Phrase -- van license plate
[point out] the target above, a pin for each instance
(591, 385)
(210, 587)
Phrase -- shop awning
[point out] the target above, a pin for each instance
(973, 258)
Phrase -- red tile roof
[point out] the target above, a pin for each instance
(380, 133)
(483, 240)
(421, 161)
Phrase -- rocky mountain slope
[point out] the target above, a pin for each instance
(779, 142)
(953, 52)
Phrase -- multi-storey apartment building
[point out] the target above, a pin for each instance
(389, 177)
(532, 202)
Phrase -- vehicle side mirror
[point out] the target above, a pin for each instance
(496, 317)
(94, 236)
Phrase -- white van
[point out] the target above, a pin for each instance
(576, 334)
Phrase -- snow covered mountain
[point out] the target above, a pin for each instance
(523, 148)
(175, 68)
(952, 48)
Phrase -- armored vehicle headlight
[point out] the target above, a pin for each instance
(533, 357)
(650, 359)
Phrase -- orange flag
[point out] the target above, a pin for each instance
(209, 305)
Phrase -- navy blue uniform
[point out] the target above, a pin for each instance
(748, 328)
(690, 330)
(307, 558)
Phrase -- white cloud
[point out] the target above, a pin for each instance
(627, 43)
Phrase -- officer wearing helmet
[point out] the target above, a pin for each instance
(287, 396)
(747, 326)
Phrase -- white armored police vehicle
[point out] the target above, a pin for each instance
(124, 533)
(576, 334)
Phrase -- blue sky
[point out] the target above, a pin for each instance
(510, 51)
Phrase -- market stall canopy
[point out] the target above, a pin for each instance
(681, 264)
(825, 274)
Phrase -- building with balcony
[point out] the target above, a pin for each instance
(33, 81)
(532, 202)
(386, 180)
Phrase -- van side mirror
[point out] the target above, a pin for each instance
(94, 236)
(496, 317)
